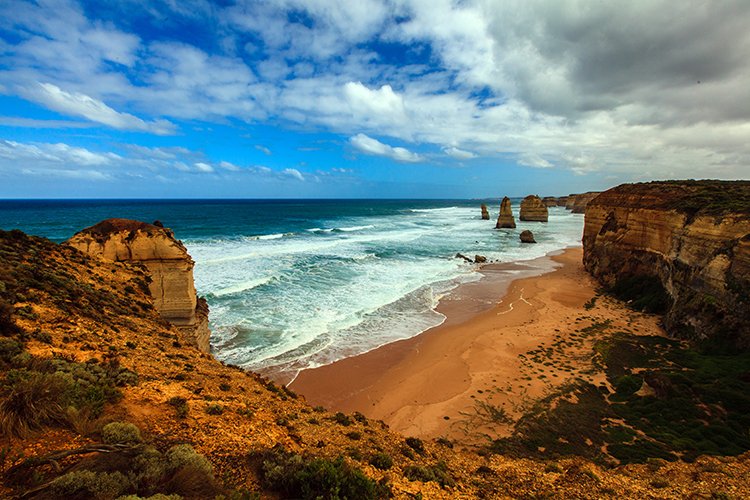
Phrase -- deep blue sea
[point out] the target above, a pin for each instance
(304, 283)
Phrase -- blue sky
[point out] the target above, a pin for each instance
(407, 98)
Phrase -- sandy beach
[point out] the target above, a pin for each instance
(471, 377)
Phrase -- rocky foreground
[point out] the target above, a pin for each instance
(102, 397)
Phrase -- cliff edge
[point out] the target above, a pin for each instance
(678, 247)
(169, 265)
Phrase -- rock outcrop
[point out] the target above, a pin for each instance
(533, 209)
(527, 236)
(577, 202)
(169, 265)
(561, 201)
(549, 201)
(505, 219)
(682, 245)
(485, 212)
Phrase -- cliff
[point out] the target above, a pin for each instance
(485, 213)
(577, 202)
(549, 201)
(169, 265)
(683, 247)
(533, 209)
(505, 219)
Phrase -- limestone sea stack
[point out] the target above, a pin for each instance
(549, 201)
(561, 201)
(533, 209)
(679, 247)
(505, 219)
(168, 263)
(485, 212)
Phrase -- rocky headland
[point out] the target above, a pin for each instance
(170, 269)
(682, 248)
(577, 202)
(505, 219)
(533, 209)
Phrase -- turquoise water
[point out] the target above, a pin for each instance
(296, 284)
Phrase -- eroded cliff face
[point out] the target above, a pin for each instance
(577, 202)
(693, 237)
(168, 262)
(533, 209)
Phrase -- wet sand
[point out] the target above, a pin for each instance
(453, 379)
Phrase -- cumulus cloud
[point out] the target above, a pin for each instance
(459, 154)
(371, 146)
(77, 104)
(639, 88)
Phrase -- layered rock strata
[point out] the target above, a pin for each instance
(533, 209)
(169, 265)
(549, 201)
(692, 239)
(505, 219)
(562, 201)
(580, 201)
(485, 212)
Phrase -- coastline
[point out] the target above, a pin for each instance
(439, 382)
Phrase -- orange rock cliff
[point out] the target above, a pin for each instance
(690, 238)
(169, 265)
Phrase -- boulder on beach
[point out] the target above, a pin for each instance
(480, 259)
(505, 219)
(462, 256)
(527, 236)
(485, 212)
(533, 209)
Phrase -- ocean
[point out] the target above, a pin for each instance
(294, 284)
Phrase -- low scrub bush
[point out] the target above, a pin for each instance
(296, 476)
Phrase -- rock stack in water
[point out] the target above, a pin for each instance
(527, 236)
(505, 219)
(485, 212)
(549, 201)
(167, 261)
(533, 209)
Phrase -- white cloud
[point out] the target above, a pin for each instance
(459, 154)
(203, 167)
(229, 166)
(263, 149)
(77, 104)
(372, 146)
(293, 173)
(612, 87)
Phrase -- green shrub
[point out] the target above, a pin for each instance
(437, 473)
(342, 419)
(381, 461)
(214, 409)
(88, 484)
(9, 348)
(183, 455)
(627, 385)
(310, 478)
(354, 435)
(180, 405)
(415, 444)
(121, 433)
(32, 400)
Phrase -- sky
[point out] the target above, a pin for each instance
(368, 98)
